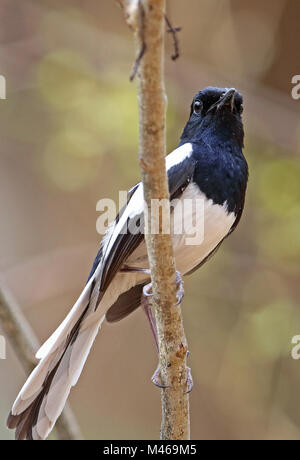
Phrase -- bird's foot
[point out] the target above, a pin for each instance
(156, 379)
(147, 290)
(189, 380)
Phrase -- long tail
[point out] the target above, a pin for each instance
(62, 357)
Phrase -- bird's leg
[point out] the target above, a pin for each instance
(146, 304)
(147, 292)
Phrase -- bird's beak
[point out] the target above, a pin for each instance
(225, 100)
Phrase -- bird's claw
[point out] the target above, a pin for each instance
(189, 380)
(180, 289)
(156, 379)
(147, 290)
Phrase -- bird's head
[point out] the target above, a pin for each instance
(215, 111)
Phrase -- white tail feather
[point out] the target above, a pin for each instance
(71, 361)
(62, 357)
(59, 335)
(81, 349)
(34, 382)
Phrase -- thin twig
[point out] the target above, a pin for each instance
(24, 342)
(173, 30)
(143, 47)
(137, 62)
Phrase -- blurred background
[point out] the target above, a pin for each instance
(69, 136)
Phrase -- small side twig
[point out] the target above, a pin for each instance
(141, 13)
(134, 14)
(173, 30)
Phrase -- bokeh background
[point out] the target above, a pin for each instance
(69, 136)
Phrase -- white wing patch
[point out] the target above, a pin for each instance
(178, 155)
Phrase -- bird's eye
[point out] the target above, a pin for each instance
(197, 107)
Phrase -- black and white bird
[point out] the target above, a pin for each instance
(209, 165)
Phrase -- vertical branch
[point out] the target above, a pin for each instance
(146, 18)
(25, 344)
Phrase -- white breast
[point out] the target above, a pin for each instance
(202, 230)
(194, 234)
